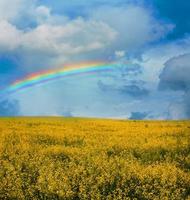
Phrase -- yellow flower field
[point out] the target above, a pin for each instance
(72, 158)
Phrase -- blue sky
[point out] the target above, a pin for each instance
(151, 36)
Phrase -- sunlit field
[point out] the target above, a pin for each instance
(71, 158)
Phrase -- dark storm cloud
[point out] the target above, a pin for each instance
(176, 76)
(132, 90)
(135, 91)
(138, 115)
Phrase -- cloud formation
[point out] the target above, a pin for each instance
(44, 34)
(175, 76)
(135, 24)
(135, 91)
(10, 11)
(56, 38)
(76, 37)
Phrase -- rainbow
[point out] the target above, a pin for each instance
(49, 75)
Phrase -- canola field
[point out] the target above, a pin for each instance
(73, 158)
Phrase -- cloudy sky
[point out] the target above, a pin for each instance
(148, 39)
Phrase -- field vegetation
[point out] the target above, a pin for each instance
(72, 158)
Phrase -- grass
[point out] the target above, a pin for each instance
(72, 158)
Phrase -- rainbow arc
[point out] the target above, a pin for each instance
(49, 75)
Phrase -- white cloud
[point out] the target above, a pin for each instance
(9, 10)
(107, 32)
(119, 54)
(73, 38)
(77, 36)
(12, 10)
(136, 25)
(10, 37)
(42, 14)
(56, 39)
